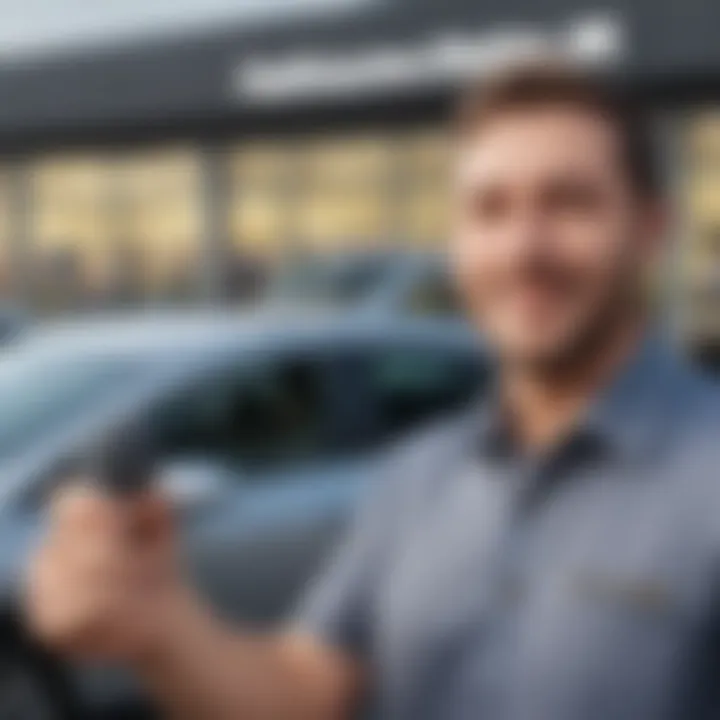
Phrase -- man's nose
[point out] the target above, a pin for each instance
(528, 235)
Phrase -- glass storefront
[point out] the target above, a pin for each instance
(701, 254)
(114, 229)
(334, 193)
(130, 227)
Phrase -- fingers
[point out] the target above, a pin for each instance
(81, 511)
(53, 602)
(75, 603)
(147, 521)
(104, 562)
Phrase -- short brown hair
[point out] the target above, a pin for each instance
(542, 83)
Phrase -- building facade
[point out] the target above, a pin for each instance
(164, 171)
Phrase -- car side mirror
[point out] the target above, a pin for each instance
(193, 483)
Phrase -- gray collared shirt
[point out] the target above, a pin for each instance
(578, 586)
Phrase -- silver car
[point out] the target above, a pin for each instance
(267, 428)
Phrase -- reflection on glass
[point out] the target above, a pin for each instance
(115, 229)
(702, 270)
(347, 191)
(124, 227)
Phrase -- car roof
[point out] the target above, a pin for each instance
(202, 331)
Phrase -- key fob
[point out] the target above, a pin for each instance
(124, 460)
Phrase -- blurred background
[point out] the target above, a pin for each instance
(156, 153)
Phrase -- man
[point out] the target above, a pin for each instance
(551, 555)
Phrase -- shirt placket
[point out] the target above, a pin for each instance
(530, 480)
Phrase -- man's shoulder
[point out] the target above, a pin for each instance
(690, 459)
(692, 452)
(698, 404)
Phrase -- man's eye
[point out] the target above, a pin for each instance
(490, 206)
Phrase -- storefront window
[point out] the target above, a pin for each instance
(114, 229)
(702, 253)
(127, 227)
(345, 199)
(425, 199)
(342, 192)
(261, 198)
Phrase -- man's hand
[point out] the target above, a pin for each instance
(106, 585)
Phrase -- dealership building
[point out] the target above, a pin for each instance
(153, 169)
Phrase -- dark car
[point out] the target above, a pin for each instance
(267, 430)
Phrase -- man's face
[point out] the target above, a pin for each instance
(551, 243)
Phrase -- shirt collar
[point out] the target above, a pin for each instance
(630, 415)
(634, 412)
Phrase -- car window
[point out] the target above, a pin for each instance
(414, 385)
(433, 295)
(268, 414)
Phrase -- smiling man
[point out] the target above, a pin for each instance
(553, 554)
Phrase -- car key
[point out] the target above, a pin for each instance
(123, 465)
(123, 462)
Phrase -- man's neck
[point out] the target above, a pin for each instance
(544, 404)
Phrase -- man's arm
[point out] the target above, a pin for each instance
(106, 585)
(311, 672)
(213, 673)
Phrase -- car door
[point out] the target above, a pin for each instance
(303, 431)
(296, 510)
(270, 425)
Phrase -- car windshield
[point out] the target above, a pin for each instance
(43, 386)
(338, 281)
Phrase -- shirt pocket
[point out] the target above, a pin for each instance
(622, 620)
(626, 597)
(601, 644)
(624, 628)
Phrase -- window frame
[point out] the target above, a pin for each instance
(240, 363)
